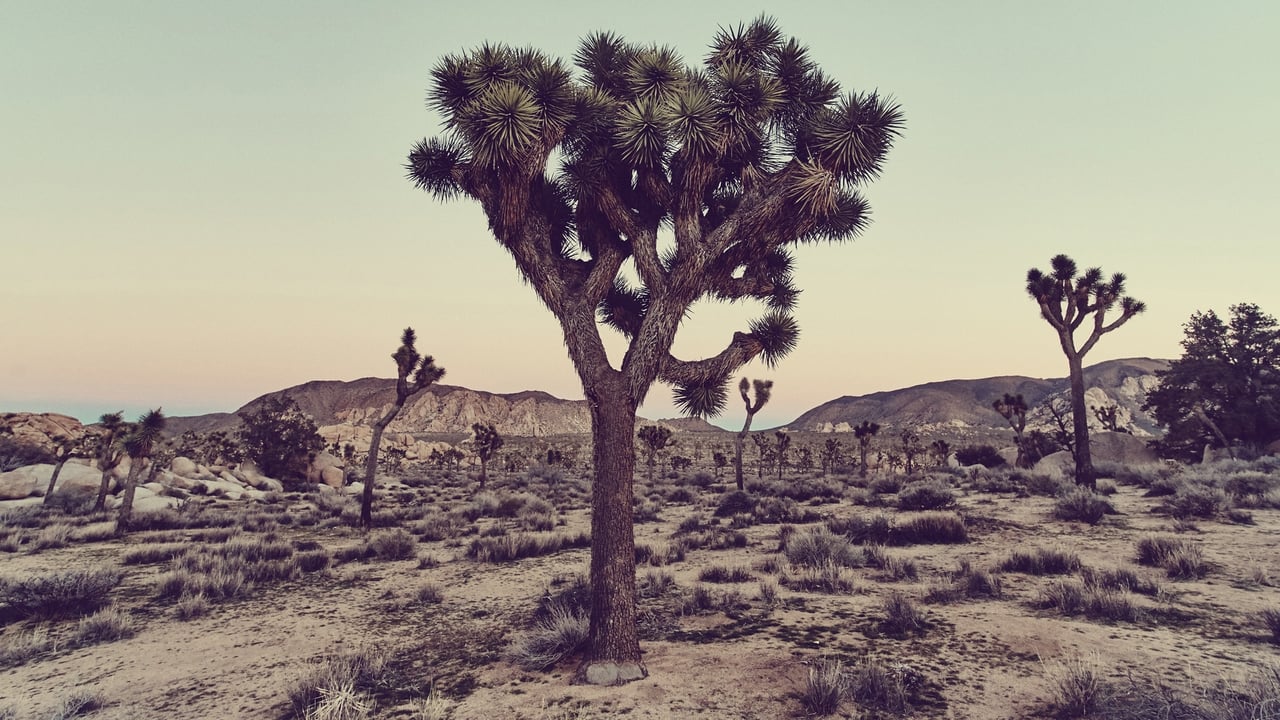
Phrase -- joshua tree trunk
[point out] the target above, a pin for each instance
(371, 463)
(615, 645)
(863, 445)
(737, 451)
(53, 479)
(126, 500)
(1080, 422)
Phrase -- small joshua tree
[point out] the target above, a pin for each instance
(763, 390)
(1014, 410)
(783, 444)
(1109, 417)
(487, 442)
(655, 439)
(910, 446)
(423, 371)
(940, 449)
(764, 454)
(832, 451)
(66, 447)
(1066, 300)
(720, 462)
(139, 443)
(864, 433)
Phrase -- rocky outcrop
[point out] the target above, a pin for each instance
(41, 429)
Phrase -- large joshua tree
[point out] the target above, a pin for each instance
(110, 452)
(699, 178)
(763, 391)
(413, 374)
(1066, 301)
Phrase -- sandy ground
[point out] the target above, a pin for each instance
(977, 658)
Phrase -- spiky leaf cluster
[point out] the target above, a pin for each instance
(1066, 298)
(740, 157)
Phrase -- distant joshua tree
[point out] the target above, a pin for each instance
(66, 447)
(1066, 300)
(832, 451)
(763, 391)
(139, 443)
(1014, 410)
(784, 442)
(487, 442)
(423, 370)
(911, 448)
(655, 439)
(1109, 417)
(764, 454)
(941, 450)
(720, 462)
(864, 433)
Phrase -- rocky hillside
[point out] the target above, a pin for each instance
(963, 404)
(438, 409)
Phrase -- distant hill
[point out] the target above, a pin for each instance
(967, 403)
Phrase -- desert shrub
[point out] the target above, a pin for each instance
(279, 438)
(701, 479)
(59, 594)
(930, 529)
(310, 561)
(517, 546)
(560, 633)
(70, 503)
(1105, 488)
(826, 688)
(1185, 563)
(900, 568)
(443, 526)
(1041, 561)
(771, 510)
(692, 524)
(429, 594)
(1270, 619)
(1194, 500)
(655, 583)
(50, 537)
(395, 544)
(819, 547)
(767, 593)
(1070, 597)
(927, 495)
(805, 489)
(981, 583)
(829, 577)
(1153, 549)
(1082, 505)
(734, 503)
(680, 495)
(984, 455)
(885, 484)
(94, 532)
(162, 519)
(108, 624)
(77, 704)
(343, 674)
(725, 574)
(1239, 517)
(857, 528)
(901, 616)
(1162, 487)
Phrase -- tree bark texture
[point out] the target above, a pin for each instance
(1080, 424)
(53, 479)
(371, 463)
(737, 449)
(614, 656)
(130, 489)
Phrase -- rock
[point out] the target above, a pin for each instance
(20, 483)
(321, 462)
(334, 477)
(227, 477)
(80, 480)
(177, 481)
(267, 484)
(154, 487)
(183, 466)
(41, 429)
(153, 503)
(24, 502)
(231, 491)
(354, 488)
(1120, 448)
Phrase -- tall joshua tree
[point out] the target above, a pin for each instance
(110, 452)
(864, 433)
(138, 443)
(1013, 408)
(763, 391)
(1066, 301)
(487, 443)
(733, 161)
(413, 374)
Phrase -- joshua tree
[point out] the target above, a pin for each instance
(1066, 300)
(720, 462)
(804, 461)
(764, 454)
(763, 391)
(655, 439)
(65, 447)
(110, 452)
(732, 162)
(1109, 417)
(486, 443)
(941, 450)
(140, 441)
(864, 433)
(784, 442)
(910, 445)
(423, 371)
(1014, 410)
(832, 451)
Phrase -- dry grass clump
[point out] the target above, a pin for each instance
(819, 547)
(725, 574)
(1071, 597)
(334, 685)
(394, 544)
(1196, 500)
(655, 583)
(147, 554)
(933, 528)
(105, 625)
(517, 546)
(966, 583)
(1119, 579)
(1080, 689)
(926, 495)
(77, 704)
(191, 606)
(830, 577)
(559, 633)
(1041, 561)
(872, 684)
(51, 537)
(18, 648)
(1181, 559)
(826, 689)
(1270, 619)
(59, 594)
(901, 616)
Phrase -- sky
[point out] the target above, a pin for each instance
(204, 202)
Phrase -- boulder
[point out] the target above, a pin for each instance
(354, 488)
(152, 503)
(227, 477)
(321, 462)
(79, 479)
(334, 477)
(20, 483)
(267, 484)
(183, 466)
(1120, 448)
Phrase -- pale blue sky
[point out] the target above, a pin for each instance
(202, 202)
